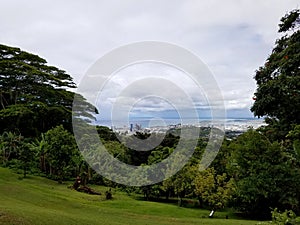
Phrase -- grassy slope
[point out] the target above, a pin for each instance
(36, 200)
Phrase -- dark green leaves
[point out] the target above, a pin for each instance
(278, 81)
(289, 21)
(33, 95)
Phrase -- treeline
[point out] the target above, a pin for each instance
(250, 173)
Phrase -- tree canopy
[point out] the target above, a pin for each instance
(265, 173)
(278, 80)
(32, 92)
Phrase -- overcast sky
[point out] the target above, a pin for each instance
(232, 37)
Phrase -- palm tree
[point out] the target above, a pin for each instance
(9, 144)
(41, 148)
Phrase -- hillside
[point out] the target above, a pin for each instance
(37, 200)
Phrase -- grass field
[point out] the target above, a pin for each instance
(36, 200)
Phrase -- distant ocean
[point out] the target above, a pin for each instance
(147, 122)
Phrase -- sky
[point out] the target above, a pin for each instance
(232, 37)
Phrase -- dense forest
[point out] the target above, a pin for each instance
(253, 173)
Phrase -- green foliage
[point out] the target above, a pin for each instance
(26, 157)
(106, 134)
(10, 144)
(265, 175)
(216, 190)
(267, 167)
(278, 81)
(294, 136)
(159, 154)
(288, 217)
(182, 182)
(17, 152)
(31, 92)
(40, 146)
(221, 161)
(264, 164)
(290, 21)
(60, 148)
(118, 151)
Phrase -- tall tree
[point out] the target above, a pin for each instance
(31, 92)
(278, 81)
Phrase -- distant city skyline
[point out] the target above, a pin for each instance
(234, 124)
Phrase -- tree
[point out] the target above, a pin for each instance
(216, 190)
(159, 154)
(61, 147)
(16, 152)
(278, 81)
(31, 92)
(9, 146)
(106, 134)
(40, 146)
(294, 136)
(221, 161)
(183, 182)
(268, 172)
(180, 183)
(26, 157)
(265, 175)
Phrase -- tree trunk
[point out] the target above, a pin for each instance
(200, 201)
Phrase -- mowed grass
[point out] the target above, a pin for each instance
(36, 200)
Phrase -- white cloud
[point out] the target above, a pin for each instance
(233, 37)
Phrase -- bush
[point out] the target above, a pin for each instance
(288, 217)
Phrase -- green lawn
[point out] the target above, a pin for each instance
(36, 200)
